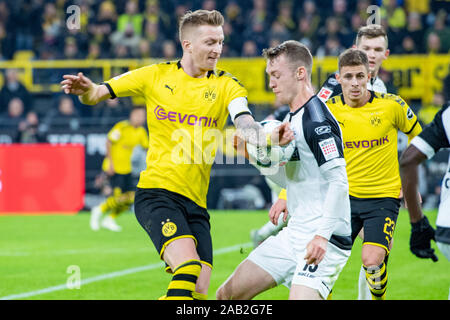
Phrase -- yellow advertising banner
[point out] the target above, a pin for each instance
(414, 76)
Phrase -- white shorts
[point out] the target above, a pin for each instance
(444, 248)
(285, 262)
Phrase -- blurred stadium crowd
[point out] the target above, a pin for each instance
(142, 29)
(146, 29)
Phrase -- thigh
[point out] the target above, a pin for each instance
(162, 218)
(444, 248)
(277, 257)
(247, 281)
(380, 221)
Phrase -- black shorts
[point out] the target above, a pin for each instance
(122, 181)
(167, 216)
(378, 216)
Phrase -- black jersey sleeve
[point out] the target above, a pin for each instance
(330, 88)
(281, 112)
(437, 132)
(322, 132)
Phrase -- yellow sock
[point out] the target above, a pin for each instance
(199, 296)
(184, 280)
(376, 278)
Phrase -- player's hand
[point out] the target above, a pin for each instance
(77, 85)
(315, 250)
(279, 207)
(240, 145)
(420, 241)
(282, 134)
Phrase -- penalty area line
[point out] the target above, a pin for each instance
(112, 275)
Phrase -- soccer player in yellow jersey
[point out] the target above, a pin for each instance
(122, 139)
(188, 102)
(370, 122)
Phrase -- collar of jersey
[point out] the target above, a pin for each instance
(372, 95)
(296, 111)
(210, 72)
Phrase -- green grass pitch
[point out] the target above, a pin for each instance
(38, 256)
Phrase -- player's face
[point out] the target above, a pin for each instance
(353, 80)
(376, 51)
(206, 46)
(282, 79)
(137, 117)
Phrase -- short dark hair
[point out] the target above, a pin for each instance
(353, 57)
(297, 53)
(199, 18)
(371, 31)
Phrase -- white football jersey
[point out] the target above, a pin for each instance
(319, 148)
(434, 137)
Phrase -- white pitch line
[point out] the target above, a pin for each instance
(113, 275)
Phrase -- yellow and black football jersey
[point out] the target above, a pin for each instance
(185, 117)
(370, 142)
(124, 138)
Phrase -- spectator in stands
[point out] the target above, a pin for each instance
(341, 13)
(65, 116)
(144, 49)
(285, 17)
(71, 49)
(278, 31)
(249, 49)
(154, 37)
(13, 88)
(128, 38)
(209, 5)
(232, 42)
(132, 18)
(154, 14)
(394, 13)
(256, 32)
(308, 21)
(29, 131)
(15, 112)
(441, 30)
(233, 14)
(409, 46)
(169, 50)
(52, 25)
(332, 28)
(415, 30)
(259, 15)
(103, 25)
(332, 47)
(94, 51)
(434, 43)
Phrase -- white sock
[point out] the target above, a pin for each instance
(363, 289)
(269, 228)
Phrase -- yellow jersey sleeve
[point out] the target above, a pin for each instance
(131, 83)
(405, 118)
(234, 89)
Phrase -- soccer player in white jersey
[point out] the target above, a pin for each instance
(434, 137)
(373, 40)
(308, 255)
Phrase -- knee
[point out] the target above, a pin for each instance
(373, 258)
(221, 293)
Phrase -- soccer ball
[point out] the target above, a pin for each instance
(272, 156)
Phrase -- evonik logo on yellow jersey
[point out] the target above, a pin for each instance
(366, 143)
(190, 119)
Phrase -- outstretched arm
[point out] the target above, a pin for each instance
(251, 132)
(422, 233)
(87, 91)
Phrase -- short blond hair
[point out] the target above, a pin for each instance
(199, 18)
(371, 31)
